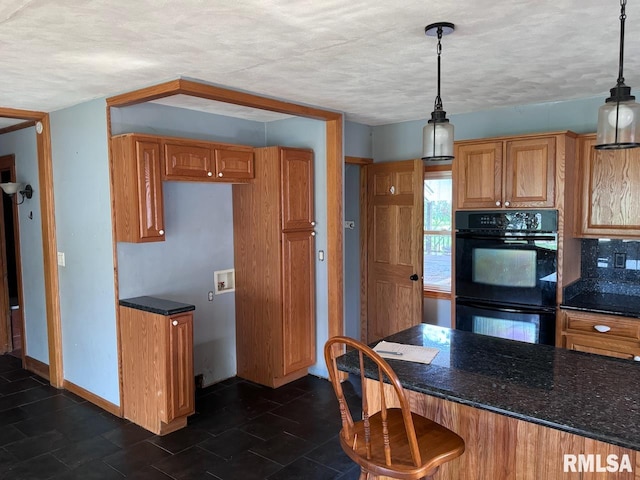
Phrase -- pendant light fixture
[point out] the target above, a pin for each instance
(437, 134)
(619, 117)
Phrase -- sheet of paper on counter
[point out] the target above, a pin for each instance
(408, 353)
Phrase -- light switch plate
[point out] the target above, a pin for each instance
(61, 260)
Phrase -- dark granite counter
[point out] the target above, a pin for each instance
(587, 395)
(610, 303)
(156, 305)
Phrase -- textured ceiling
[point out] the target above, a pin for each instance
(367, 58)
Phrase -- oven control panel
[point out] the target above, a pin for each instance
(523, 220)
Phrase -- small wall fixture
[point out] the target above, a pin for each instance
(11, 188)
(619, 117)
(437, 134)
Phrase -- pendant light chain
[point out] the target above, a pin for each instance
(438, 102)
(623, 17)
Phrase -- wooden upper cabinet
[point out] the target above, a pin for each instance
(234, 163)
(510, 173)
(529, 173)
(297, 188)
(184, 161)
(478, 168)
(137, 189)
(610, 183)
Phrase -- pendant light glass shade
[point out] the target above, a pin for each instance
(619, 117)
(618, 125)
(437, 141)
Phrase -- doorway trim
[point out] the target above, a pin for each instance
(49, 243)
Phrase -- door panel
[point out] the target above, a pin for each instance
(181, 366)
(395, 207)
(530, 173)
(149, 190)
(297, 189)
(478, 175)
(187, 161)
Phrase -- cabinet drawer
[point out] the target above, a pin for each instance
(614, 326)
(607, 346)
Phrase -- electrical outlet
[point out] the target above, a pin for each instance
(61, 260)
(211, 296)
(350, 224)
(619, 260)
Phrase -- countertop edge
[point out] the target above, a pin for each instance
(156, 305)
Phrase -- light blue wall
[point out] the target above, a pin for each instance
(83, 228)
(307, 133)
(357, 143)
(22, 144)
(401, 141)
(198, 239)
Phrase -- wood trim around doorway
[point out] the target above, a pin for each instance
(49, 245)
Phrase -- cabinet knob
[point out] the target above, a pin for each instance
(209, 174)
(313, 224)
(507, 203)
(174, 323)
(220, 174)
(602, 328)
(636, 358)
(498, 203)
(392, 190)
(161, 232)
(313, 234)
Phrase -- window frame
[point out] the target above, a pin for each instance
(438, 172)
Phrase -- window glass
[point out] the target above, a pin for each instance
(437, 230)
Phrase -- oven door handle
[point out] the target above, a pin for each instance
(487, 306)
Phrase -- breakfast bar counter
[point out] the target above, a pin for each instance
(521, 407)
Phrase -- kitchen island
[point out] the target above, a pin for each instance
(521, 407)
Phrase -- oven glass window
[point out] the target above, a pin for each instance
(507, 268)
(510, 329)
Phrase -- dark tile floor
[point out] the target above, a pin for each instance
(240, 431)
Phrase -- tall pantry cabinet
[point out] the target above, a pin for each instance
(273, 228)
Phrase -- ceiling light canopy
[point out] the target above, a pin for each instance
(437, 134)
(619, 117)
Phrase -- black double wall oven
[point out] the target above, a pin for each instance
(506, 273)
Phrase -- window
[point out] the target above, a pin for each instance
(438, 196)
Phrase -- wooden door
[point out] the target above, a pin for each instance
(186, 162)
(610, 184)
(395, 205)
(151, 210)
(477, 173)
(234, 163)
(529, 173)
(298, 300)
(181, 383)
(6, 338)
(297, 189)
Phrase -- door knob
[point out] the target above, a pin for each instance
(414, 277)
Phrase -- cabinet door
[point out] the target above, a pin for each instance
(529, 173)
(187, 162)
(297, 189)
(298, 300)
(234, 163)
(150, 208)
(181, 380)
(610, 184)
(477, 172)
(603, 346)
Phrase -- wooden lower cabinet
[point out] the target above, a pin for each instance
(610, 335)
(158, 390)
(275, 268)
(498, 447)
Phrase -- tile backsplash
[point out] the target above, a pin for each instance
(611, 266)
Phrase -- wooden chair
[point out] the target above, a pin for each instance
(393, 442)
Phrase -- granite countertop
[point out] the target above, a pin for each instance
(610, 303)
(584, 394)
(156, 305)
